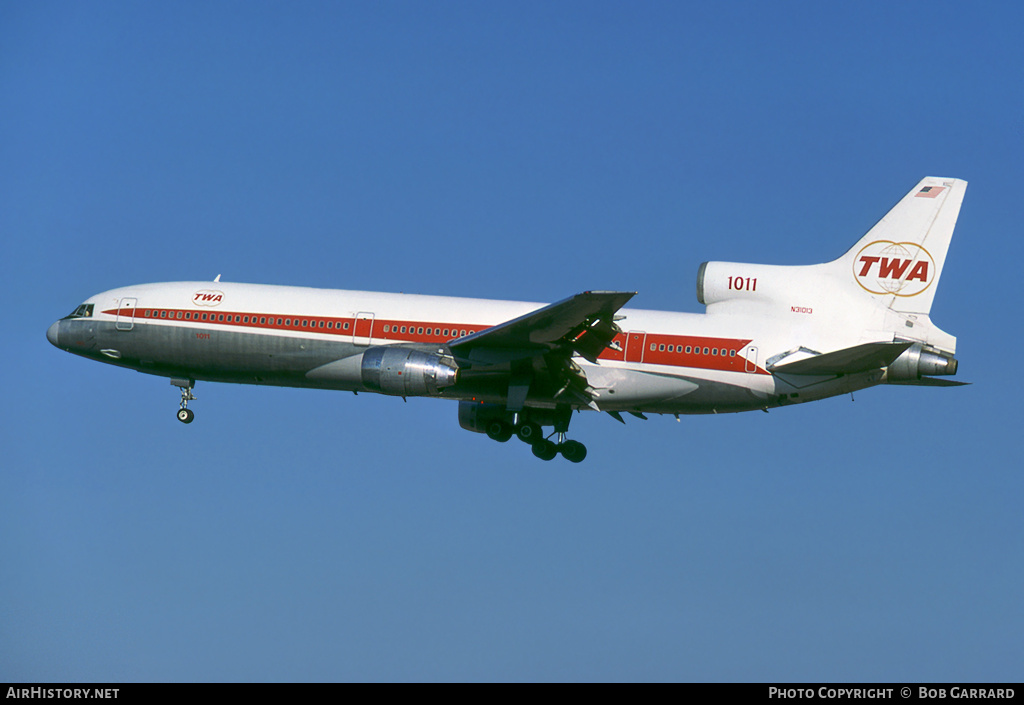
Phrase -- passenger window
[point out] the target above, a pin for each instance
(705, 351)
(346, 326)
(661, 348)
(179, 314)
(689, 349)
(654, 346)
(420, 331)
(220, 317)
(263, 319)
(403, 329)
(714, 351)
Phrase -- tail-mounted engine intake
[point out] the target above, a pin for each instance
(919, 361)
(406, 372)
(760, 284)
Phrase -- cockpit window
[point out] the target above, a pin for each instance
(83, 311)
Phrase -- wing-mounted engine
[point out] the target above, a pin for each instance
(479, 418)
(917, 363)
(488, 418)
(904, 362)
(407, 372)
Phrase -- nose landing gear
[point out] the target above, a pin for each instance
(185, 415)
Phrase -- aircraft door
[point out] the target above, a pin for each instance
(750, 365)
(635, 341)
(126, 314)
(362, 333)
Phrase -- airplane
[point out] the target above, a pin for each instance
(771, 336)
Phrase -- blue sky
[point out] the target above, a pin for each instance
(521, 151)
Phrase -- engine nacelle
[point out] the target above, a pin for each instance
(761, 284)
(478, 416)
(726, 281)
(475, 417)
(406, 372)
(918, 361)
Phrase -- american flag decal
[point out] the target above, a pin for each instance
(929, 192)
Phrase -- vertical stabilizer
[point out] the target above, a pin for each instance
(900, 260)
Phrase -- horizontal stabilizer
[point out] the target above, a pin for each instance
(859, 358)
(932, 382)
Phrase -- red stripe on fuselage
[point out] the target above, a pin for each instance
(724, 354)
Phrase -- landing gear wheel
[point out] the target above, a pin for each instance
(573, 451)
(184, 414)
(529, 432)
(499, 431)
(545, 449)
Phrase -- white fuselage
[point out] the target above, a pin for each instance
(771, 335)
(661, 362)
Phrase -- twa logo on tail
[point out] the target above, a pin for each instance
(900, 268)
(207, 297)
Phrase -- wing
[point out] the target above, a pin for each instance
(583, 323)
(540, 345)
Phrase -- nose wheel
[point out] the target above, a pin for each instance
(185, 414)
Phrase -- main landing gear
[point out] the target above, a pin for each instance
(185, 414)
(530, 433)
(573, 451)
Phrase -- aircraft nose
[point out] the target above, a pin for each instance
(51, 333)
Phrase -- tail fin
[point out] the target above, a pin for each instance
(899, 261)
